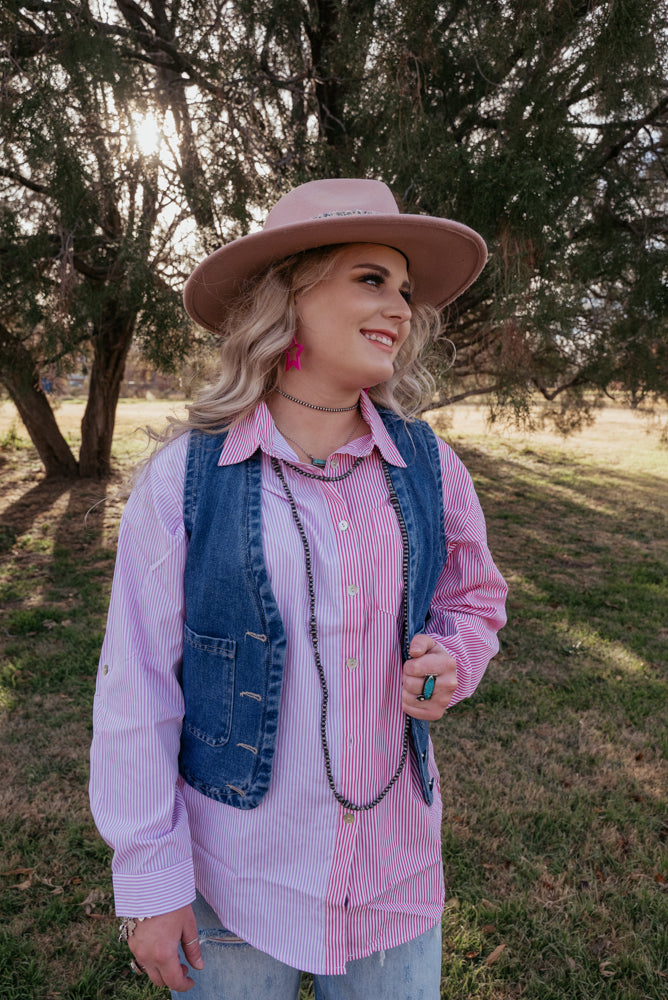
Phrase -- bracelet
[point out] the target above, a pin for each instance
(126, 928)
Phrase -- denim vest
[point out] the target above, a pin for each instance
(234, 641)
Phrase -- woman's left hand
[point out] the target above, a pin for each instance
(428, 657)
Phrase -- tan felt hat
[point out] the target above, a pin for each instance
(444, 257)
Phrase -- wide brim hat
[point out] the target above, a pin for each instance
(444, 257)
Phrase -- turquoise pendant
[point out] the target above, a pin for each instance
(319, 463)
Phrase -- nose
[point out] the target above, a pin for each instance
(397, 307)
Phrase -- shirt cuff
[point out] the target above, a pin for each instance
(152, 893)
(466, 684)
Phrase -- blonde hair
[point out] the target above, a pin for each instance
(262, 322)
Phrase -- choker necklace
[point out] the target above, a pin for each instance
(314, 406)
(319, 463)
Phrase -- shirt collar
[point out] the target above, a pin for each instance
(381, 438)
(257, 430)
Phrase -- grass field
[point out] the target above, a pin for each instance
(554, 775)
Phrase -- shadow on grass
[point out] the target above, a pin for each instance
(56, 572)
(554, 772)
(552, 834)
(585, 551)
(18, 517)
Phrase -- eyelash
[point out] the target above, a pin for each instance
(378, 280)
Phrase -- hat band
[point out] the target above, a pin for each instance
(345, 211)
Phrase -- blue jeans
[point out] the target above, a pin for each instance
(233, 970)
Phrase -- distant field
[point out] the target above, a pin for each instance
(618, 434)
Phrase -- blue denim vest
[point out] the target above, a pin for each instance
(234, 641)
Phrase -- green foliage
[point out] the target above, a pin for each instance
(83, 231)
(541, 125)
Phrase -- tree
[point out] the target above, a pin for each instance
(542, 125)
(85, 240)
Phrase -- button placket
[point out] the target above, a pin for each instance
(352, 608)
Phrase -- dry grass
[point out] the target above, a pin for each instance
(554, 774)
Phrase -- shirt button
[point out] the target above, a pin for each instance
(351, 663)
(348, 818)
(343, 525)
(334, 461)
(353, 589)
(105, 669)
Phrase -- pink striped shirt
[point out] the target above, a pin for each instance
(297, 877)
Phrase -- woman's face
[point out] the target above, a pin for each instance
(353, 323)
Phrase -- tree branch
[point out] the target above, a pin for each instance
(551, 394)
(613, 152)
(14, 175)
(446, 400)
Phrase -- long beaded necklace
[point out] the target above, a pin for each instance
(320, 463)
(313, 625)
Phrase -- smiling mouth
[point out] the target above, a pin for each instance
(379, 338)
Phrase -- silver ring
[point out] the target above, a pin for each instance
(427, 688)
(136, 968)
(188, 943)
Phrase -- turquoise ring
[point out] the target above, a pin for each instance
(427, 688)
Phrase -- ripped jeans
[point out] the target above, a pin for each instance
(233, 970)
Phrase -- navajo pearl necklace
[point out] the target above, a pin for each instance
(315, 637)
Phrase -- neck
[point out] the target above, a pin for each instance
(319, 386)
(315, 433)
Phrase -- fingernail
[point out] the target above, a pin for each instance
(199, 963)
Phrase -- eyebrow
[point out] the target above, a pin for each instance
(384, 271)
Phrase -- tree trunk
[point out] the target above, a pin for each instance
(335, 81)
(21, 379)
(110, 346)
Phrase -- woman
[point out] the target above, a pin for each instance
(302, 585)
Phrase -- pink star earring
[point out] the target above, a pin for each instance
(290, 361)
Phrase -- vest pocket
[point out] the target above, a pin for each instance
(208, 686)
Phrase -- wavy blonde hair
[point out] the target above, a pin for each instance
(261, 323)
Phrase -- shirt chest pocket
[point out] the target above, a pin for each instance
(387, 562)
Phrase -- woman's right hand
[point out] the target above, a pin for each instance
(154, 944)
